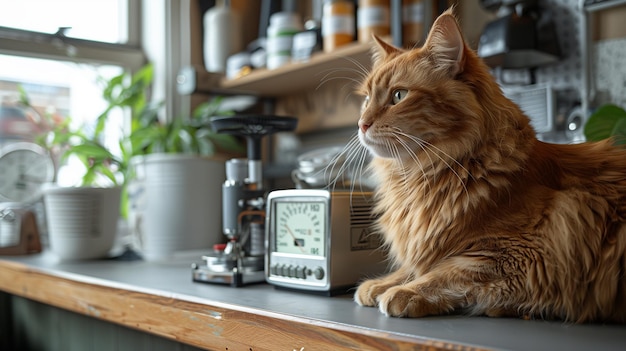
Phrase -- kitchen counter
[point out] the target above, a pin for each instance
(160, 298)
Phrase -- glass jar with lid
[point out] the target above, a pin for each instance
(372, 18)
(338, 24)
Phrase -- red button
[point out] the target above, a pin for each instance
(219, 247)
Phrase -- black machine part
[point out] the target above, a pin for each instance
(254, 128)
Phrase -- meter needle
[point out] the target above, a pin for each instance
(295, 240)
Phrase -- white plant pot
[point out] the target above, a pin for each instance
(82, 221)
(177, 207)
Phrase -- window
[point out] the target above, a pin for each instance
(97, 20)
(60, 53)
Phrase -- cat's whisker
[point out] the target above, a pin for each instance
(346, 157)
(351, 155)
(414, 156)
(330, 79)
(416, 159)
(357, 175)
(352, 165)
(462, 181)
(356, 71)
(362, 166)
(396, 155)
(430, 145)
(329, 169)
(364, 71)
(424, 144)
(449, 166)
(360, 70)
(334, 74)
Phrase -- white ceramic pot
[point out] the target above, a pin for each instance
(179, 204)
(82, 221)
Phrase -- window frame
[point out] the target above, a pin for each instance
(130, 56)
(158, 32)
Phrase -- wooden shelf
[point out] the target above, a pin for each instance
(346, 63)
(604, 5)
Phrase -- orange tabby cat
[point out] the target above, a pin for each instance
(479, 216)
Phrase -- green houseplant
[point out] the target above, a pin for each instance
(148, 136)
(176, 187)
(82, 221)
(192, 135)
(608, 121)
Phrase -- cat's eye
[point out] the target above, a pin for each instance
(398, 95)
(366, 100)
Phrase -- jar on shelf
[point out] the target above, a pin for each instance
(283, 26)
(238, 65)
(338, 19)
(307, 42)
(412, 22)
(372, 18)
(222, 36)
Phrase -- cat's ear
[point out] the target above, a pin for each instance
(382, 50)
(446, 43)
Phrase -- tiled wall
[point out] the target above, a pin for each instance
(609, 71)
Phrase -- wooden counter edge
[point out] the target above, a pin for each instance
(208, 325)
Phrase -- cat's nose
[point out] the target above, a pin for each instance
(364, 126)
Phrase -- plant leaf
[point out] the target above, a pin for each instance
(205, 147)
(602, 123)
(227, 142)
(24, 98)
(144, 138)
(207, 108)
(619, 132)
(92, 150)
(89, 177)
(110, 88)
(108, 173)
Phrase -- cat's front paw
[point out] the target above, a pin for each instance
(368, 292)
(401, 301)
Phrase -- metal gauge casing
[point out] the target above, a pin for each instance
(24, 169)
(321, 241)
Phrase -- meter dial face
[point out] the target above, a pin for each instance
(24, 168)
(300, 227)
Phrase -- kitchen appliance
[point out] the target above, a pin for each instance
(241, 260)
(321, 241)
(522, 36)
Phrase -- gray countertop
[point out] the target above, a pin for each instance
(173, 279)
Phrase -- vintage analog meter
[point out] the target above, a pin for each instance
(24, 169)
(321, 241)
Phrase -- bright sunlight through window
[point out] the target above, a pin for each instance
(57, 87)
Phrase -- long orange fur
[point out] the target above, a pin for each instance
(479, 216)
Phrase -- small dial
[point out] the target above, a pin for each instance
(300, 227)
(24, 168)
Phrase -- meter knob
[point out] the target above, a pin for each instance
(296, 271)
(318, 273)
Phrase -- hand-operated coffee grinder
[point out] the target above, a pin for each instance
(241, 260)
